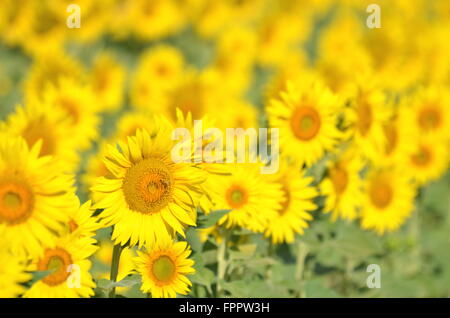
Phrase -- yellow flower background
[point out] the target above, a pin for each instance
(91, 204)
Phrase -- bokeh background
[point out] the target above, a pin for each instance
(227, 59)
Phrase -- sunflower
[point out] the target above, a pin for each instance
(212, 17)
(366, 117)
(82, 222)
(428, 161)
(12, 273)
(237, 114)
(400, 139)
(342, 38)
(254, 199)
(155, 19)
(48, 69)
(232, 66)
(195, 94)
(388, 199)
(44, 31)
(78, 105)
(37, 121)
(429, 113)
(35, 197)
(69, 265)
(159, 70)
(342, 186)
(293, 69)
(94, 19)
(107, 80)
(131, 122)
(307, 120)
(164, 267)
(278, 33)
(163, 65)
(149, 197)
(15, 20)
(293, 215)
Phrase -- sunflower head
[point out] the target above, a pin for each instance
(68, 266)
(307, 118)
(164, 268)
(156, 196)
(387, 199)
(35, 197)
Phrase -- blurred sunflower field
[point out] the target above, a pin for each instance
(92, 205)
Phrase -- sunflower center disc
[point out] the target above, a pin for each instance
(339, 178)
(429, 119)
(422, 157)
(57, 261)
(305, 123)
(147, 186)
(236, 196)
(16, 203)
(381, 194)
(163, 268)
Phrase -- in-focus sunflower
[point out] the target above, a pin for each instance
(35, 197)
(342, 186)
(293, 215)
(12, 273)
(307, 119)
(148, 197)
(164, 267)
(68, 261)
(388, 199)
(254, 199)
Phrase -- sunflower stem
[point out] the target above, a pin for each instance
(270, 254)
(302, 251)
(221, 264)
(117, 251)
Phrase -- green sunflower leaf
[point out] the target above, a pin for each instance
(205, 221)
